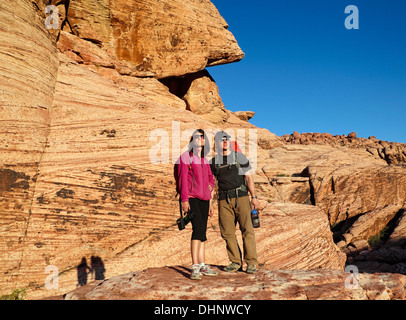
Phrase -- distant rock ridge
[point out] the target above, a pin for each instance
(391, 152)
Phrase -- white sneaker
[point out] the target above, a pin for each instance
(205, 270)
(195, 275)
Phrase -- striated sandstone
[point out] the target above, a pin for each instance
(343, 182)
(388, 253)
(28, 60)
(360, 194)
(284, 168)
(76, 177)
(96, 192)
(347, 191)
(291, 236)
(288, 238)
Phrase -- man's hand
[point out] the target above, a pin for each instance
(185, 207)
(251, 187)
(254, 203)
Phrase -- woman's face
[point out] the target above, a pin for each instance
(198, 139)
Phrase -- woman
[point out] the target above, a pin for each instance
(196, 184)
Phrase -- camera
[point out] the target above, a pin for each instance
(182, 222)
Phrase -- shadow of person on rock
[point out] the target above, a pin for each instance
(82, 272)
(182, 270)
(97, 268)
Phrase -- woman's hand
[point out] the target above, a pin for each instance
(185, 207)
(211, 211)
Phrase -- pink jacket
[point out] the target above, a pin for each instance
(195, 177)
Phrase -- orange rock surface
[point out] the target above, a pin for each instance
(93, 121)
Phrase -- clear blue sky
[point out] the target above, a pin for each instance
(304, 71)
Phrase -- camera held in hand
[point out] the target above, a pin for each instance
(183, 221)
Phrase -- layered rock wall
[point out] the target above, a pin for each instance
(29, 63)
(89, 135)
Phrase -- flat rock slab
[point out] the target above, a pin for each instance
(173, 283)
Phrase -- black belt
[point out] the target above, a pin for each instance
(233, 193)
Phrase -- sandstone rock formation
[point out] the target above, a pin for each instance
(79, 176)
(362, 195)
(344, 182)
(244, 115)
(95, 113)
(172, 283)
(291, 237)
(164, 38)
(345, 192)
(391, 152)
(27, 78)
(201, 95)
(397, 237)
(370, 224)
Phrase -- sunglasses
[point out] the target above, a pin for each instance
(197, 136)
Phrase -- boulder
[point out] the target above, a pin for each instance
(244, 115)
(371, 223)
(202, 97)
(164, 38)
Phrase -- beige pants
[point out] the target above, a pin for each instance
(229, 214)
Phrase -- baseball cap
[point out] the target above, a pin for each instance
(220, 135)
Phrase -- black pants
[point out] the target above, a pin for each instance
(199, 221)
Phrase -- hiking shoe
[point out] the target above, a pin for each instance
(233, 267)
(195, 275)
(206, 271)
(252, 269)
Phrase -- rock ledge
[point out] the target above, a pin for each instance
(173, 283)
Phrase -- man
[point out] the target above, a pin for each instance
(231, 169)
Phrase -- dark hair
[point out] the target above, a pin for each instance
(205, 149)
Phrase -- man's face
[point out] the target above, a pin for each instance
(225, 143)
